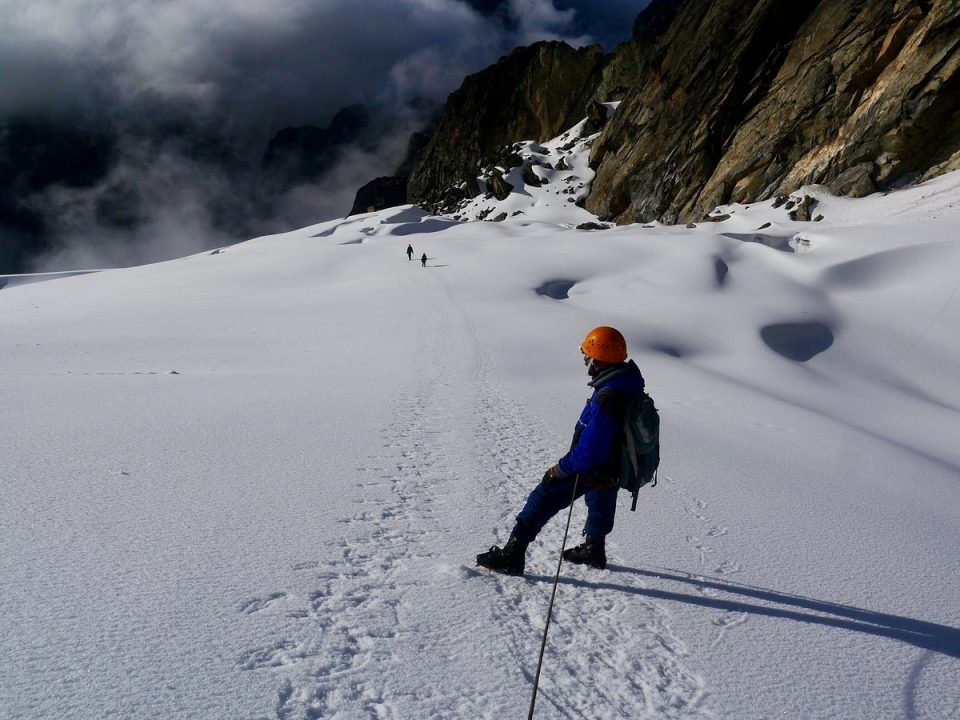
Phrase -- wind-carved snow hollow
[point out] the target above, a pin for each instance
(556, 289)
(721, 270)
(799, 341)
(783, 243)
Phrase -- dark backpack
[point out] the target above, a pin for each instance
(639, 451)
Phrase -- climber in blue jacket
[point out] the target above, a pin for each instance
(590, 465)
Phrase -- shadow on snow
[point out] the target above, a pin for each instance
(925, 635)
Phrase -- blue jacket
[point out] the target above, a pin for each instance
(598, 431)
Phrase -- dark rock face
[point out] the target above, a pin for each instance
(655, 19)
(804, 209)
(380, 193)
(722, 101)
(390, 191)
(529, 176)
(596, 118)
(741, 101)
(702, 78)
(304, 154)
(867, 97)
(498, 186)
(534, 93)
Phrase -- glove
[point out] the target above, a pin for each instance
(553, 476)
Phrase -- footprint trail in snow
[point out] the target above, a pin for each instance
(611, 652)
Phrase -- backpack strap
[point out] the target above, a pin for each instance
(613, 401)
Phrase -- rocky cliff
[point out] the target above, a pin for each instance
(724, 100)
(533, 93)
(391, 190)
(744, 100)
(303, 154)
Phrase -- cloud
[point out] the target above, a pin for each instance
(154, 204)
(334, 194)
(610, 22)
(230, 73)
(540, 20)
(248, 65)
(252, 66)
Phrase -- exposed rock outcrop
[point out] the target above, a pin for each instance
(389, 191)
(770, 96)
(534, 92)
(868, 97)
(303, 154)
(722, 101)
(711, 66)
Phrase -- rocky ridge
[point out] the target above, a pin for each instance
(534, 92)
(858, 96)
(532, 181)
(723, 101)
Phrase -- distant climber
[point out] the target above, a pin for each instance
(409, 252)
(423, 260)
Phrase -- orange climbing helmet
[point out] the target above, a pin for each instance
(605, 344)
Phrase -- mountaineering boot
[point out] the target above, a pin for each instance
(507, 560)
(591, 552)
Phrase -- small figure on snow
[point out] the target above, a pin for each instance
(423, 260)
(590, 469)
(409, 252)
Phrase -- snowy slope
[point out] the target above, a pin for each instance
(246, 484)
(562, 181)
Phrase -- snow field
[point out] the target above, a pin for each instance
(250, 484)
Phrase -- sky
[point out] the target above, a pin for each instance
(252, 483)
(256, 67)
(234, 72)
